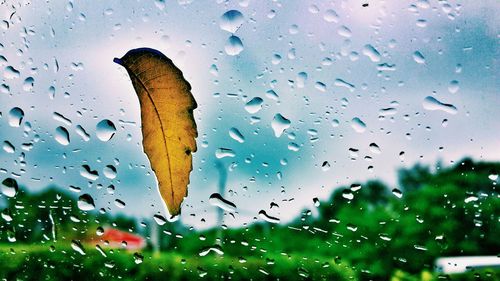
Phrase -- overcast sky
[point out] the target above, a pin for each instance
(332, 64)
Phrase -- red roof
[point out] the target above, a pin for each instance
(116, 237)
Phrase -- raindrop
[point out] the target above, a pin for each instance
(316, 202)
(231, 21)
(431, 103)
(280, 124)
(16, 116)
(254, 105)
(418, 57)
(28, 84)
(263, 215)
(86, 202)
(347, 194)
(11, 73)
(236, 135)
(331, 16)
(325, 166)
(374, 148)
(301, 79)
(138, 258)
(120, 204)
(216, 249)
(397, 193)
(371, 53)
(8, 147)
(77, 246)
(217, 200)
(9, 187)
(159, 219)
(453, 87)
(109, 171)
(82, 133)
(224, 152)
(105, 130)
(62, 135)
(358, 125)
(87, 173)
(233, 46)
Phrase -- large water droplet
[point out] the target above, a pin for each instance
(77, 246)
(231, 21)
(224, 152)
(236, 135)
(254, 105)
(280, 124)
(9, 187)
(371, 53)
(331, 16)
(358, 125)
(86, 202)
(16, 116)
(418, 57)
(109, 171)
(431, 103)
(8, 147)
(217, 200)
(453, 87)
(216, 249)
(263, 215)
(62, 135)
(10, 72)
(87, 173)
(105, 130)
(233, 46)
(28, 84)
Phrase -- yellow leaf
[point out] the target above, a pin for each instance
(168, 126)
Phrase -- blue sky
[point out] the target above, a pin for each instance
(326, 40)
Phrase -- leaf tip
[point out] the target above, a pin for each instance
(118, 61)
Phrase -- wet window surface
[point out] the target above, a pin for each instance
(335, 140)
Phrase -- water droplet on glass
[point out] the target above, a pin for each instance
(231, 21)
(9, 187)
(109, 171)
(87, 173)
(233, 46)
(358, 125)
(371, 53)
(77, 246)
(453, 87)
(28, 84)
(159, 219)
(254, 105)
(331, 16)
(397, 193)
(16, 116)
(236, 135)
(120, 204)
(62, 135)
(11, 73)
(216, 249)
(224, 152)
(82, 133)
(418, 57)
(430, 103)
(105, 130)
(86, 202)
(374, 148)
(8, 147)
(217, 200)
(263, 215)
(325, 166)
(138, 258)
(280, 124)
